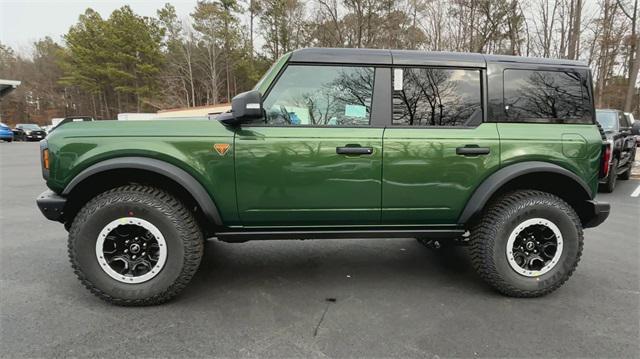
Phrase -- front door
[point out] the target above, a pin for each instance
(437, 149)
(314, 159)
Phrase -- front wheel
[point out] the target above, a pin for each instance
(135, 245)
(527, 244)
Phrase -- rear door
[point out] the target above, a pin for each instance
(437, 149)
(315, 159)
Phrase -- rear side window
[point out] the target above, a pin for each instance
(436, 97)
(545, 97)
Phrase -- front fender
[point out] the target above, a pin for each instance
(178, 175)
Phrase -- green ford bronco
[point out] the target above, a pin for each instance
(499, 153)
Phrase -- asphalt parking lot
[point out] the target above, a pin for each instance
(393, 298)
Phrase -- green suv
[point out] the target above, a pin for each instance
(499, 153)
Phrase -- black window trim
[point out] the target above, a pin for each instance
(483, 96)
(552, 68)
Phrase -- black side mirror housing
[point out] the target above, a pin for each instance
(245, 107)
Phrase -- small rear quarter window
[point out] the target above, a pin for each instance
(545, 97)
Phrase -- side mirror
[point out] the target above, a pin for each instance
(245, 107)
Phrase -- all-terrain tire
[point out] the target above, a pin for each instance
(179, 228)
(489, 237)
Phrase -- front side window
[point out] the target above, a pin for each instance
(436, 97)
(545, 96)
(321, 96)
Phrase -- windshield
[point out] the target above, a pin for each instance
(29, 126)
(3, 125)
(607, 119)
(268, 76)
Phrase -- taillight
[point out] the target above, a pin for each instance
(606, 158)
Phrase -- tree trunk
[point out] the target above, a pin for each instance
(574, 36)
(633, 76)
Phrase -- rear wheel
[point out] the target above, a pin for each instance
(135, 245)
(527, 244)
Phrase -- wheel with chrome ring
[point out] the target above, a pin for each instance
(527, 243)
(135, 245)
(534, 247)
(131, 250)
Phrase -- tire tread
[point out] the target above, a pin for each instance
(163, 202)
(482, 243)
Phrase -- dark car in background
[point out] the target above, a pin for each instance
(18, 134)
(32, 132)
(5, 133)
(622, 146)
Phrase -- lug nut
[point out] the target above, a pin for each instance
(126, 251)
(134, 257)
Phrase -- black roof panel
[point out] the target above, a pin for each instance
(534, 60)
(416, 57)
(342, 56)
(436, 58)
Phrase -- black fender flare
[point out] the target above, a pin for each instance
(495, 181)
(166, 169)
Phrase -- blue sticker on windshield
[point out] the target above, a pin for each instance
(355, 111)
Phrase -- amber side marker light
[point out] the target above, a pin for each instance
(45, 158)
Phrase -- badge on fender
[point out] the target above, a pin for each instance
(221, 148)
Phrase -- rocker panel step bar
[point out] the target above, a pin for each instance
(243, 236)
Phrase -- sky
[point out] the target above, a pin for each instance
(22, 22)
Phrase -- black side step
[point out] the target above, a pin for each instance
(248, 235)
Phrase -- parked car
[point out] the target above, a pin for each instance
(31, 132)
(506, 162)
(5, 133)
(18, 134)
(622, 143)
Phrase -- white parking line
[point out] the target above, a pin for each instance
(636, 193)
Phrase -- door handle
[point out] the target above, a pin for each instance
(354, 150)
(472, 150)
